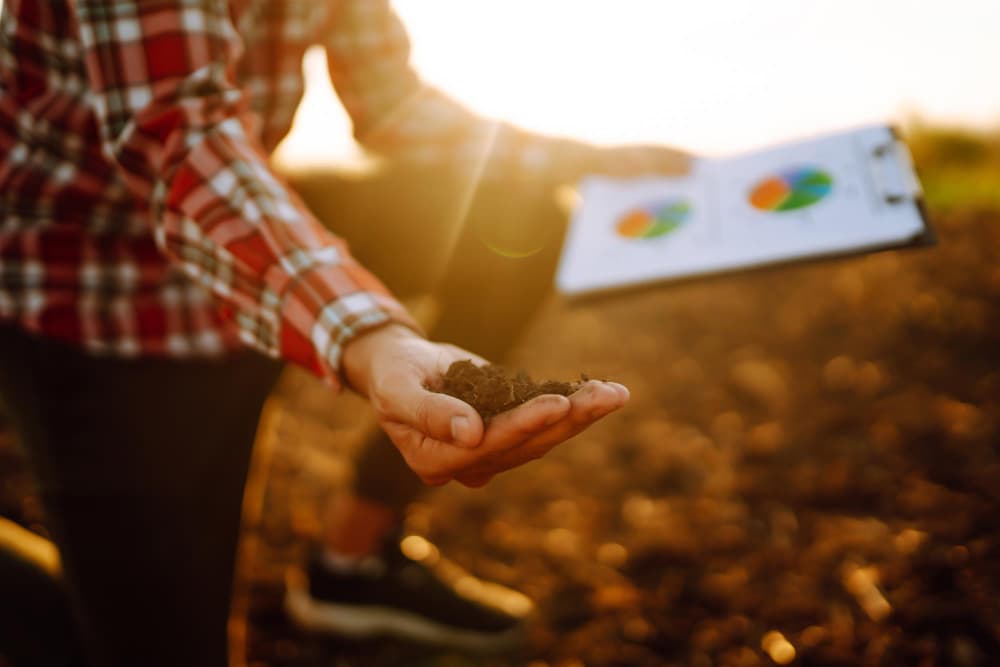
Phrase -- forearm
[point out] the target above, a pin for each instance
(183, 140)
(398, 116)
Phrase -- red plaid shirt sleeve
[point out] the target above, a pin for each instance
(162, 80)
(395, 114)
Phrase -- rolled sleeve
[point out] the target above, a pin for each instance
(174, 121)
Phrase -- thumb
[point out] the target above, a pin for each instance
(438, 416)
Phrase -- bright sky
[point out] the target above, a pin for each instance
(711, 76)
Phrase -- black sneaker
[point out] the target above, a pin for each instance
(408, 591)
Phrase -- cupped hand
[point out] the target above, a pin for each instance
(442, 438)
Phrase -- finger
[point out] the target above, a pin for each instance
(512, 428)
(668, 161)
(425, 456)
(665, 160)
(437, 416)
(507, 434)
(595, 399)
(590, 403)
(540, 424)
(506, 431)
(623, 393)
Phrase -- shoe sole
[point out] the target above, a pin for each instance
(361, 622)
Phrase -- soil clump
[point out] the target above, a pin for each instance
(492, 389)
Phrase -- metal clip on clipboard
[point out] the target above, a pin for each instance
(893, 173)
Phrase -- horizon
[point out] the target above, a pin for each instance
(780, 65)
(927, 62)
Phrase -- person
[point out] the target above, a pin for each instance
(149, 254)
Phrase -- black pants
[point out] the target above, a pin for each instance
(142, 463)
(141, 466)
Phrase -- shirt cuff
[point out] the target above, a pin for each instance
(319, 317)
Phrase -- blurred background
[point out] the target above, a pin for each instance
(808, 472)
(713, 77)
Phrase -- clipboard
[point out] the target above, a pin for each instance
(838, 194)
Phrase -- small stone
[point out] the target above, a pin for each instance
(612, 554)
(562, 542)
(766, 439)
(840, 374)
(778, 647)
(870, 379)
(962, 420)
(763, 382)
(609, 598)
(637, 629)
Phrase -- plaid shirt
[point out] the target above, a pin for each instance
(138, 213)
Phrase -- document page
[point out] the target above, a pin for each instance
(844, 193)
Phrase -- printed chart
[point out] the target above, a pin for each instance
(842, 193)
(791, 189)
(653, 221)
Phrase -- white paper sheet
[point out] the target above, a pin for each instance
(842, 193)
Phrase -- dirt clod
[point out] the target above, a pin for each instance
(493, 389)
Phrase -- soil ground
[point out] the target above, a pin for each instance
(809, 468)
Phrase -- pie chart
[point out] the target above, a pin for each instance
(791, 189)
(653, 221)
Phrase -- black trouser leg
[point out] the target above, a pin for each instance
(141, 466)
(36, 626)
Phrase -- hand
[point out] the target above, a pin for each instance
(574, 160)
(639, 160)
(443, 438)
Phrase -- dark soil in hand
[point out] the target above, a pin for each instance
(492, 389)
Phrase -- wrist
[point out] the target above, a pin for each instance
(360, 352)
